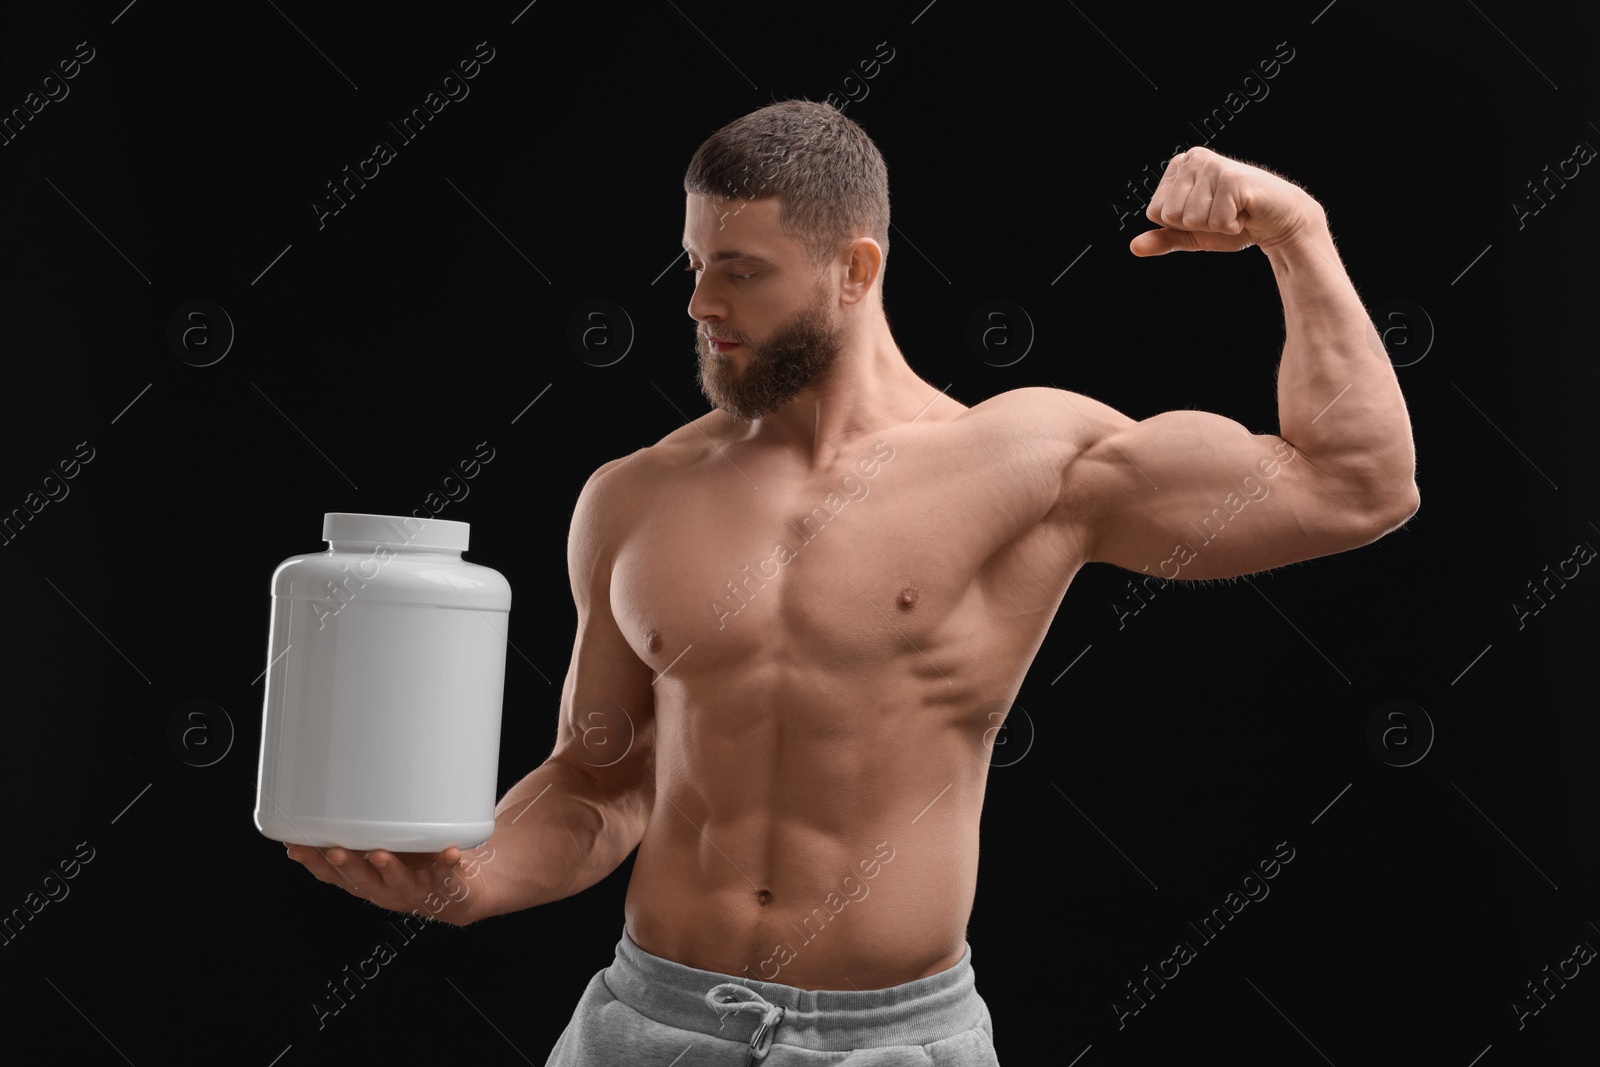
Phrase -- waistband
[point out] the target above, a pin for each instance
(918, 1012)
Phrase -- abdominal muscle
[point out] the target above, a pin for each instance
(821, 844)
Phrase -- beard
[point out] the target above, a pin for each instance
(775, 370)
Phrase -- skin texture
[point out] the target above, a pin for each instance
(797, 739)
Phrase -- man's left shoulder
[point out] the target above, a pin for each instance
(1028, 401)
(1035, 412)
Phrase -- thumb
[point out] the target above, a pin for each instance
(1160, 242)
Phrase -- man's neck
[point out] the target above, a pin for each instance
(869, 387)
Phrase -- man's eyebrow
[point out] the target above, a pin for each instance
(718, 257)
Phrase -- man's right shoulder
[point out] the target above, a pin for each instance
(618, 486)
(672, 455)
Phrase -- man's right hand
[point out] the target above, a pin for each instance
(448, 886)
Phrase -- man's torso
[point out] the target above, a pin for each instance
(834, 650)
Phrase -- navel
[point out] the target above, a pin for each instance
(763, 897)
(907, 598)
(652, 640)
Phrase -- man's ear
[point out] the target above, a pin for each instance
(863, 259)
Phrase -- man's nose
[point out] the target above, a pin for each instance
(705, 305)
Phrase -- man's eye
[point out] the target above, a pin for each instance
(736, 277)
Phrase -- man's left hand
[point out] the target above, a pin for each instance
(1210, 203)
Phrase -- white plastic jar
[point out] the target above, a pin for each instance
(381, 727)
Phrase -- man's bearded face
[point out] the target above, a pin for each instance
(774, 371)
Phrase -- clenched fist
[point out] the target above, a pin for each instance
(1210, 203)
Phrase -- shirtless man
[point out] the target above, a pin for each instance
(801, 615)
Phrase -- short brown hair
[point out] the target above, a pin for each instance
(831, 181)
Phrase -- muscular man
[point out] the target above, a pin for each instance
(799, 614)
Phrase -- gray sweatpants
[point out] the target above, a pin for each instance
(647, 1010)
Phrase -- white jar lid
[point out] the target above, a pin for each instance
(411, 532)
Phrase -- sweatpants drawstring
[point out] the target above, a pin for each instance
(727, 998)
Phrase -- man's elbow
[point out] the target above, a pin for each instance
(1371, 496)
(1364, 512)
(1394, 507)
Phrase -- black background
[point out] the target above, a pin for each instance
(379, 349)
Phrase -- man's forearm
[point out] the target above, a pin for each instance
(1339, 403)
(557, 833)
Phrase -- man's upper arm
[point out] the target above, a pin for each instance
(1191, 494)
(606, 730)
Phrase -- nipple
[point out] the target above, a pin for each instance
(907, 599)
(652, 641)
